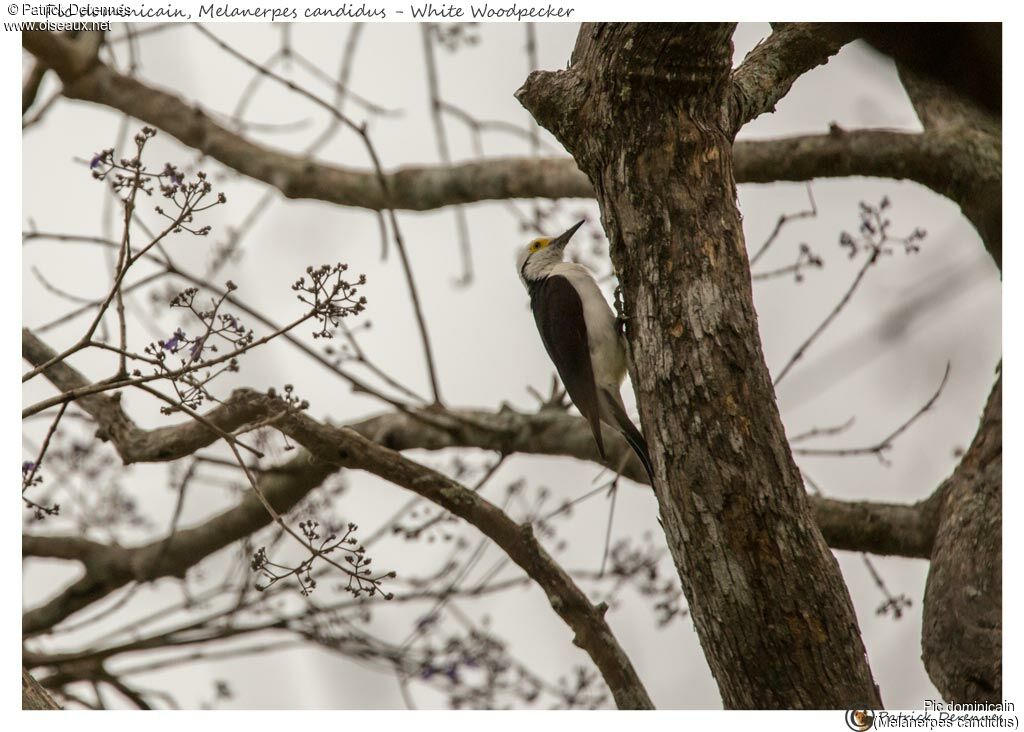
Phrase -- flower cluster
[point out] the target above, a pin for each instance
(31, 477)
(195, 353)
(874, 233)
(330, 296)
(896, 604)
(453, 36)
(89, 484)
(353, 562)
(129, 176)
(186, 195)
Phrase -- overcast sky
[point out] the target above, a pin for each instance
(880, 362)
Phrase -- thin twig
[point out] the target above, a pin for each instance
(781, 223)
(441, 137)
(360, 130)
(357, 384)
(885, 444)
(121, 270)
(823, 431)
(833, 314)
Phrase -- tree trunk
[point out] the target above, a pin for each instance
(962, 638)
(643, 109)
(34, 696)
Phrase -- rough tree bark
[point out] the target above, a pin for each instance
(34, 696)
(962, 637)
(644, 109)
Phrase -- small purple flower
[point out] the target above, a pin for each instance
(27, 467)
(96, 160)
(197, 349)
(174, 343)
(427, 672)
(174, 175)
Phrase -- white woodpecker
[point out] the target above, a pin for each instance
(582, 337)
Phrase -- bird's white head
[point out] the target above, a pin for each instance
(535, 260)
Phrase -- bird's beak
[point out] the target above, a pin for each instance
(559, 242)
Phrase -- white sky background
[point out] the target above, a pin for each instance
(879, 362)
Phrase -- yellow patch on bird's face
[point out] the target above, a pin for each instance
(537, 244)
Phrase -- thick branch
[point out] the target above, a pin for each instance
(906, 530)
(332, 448)
(108, 568)
(60, 52)
(966, 58)
(769, 70)
(886, 529)
(104, 408)
(842, 153)
(591, 632)
(975, 166)
(294, 175)
(963, 166)
(61, 547)
(857, 526)
(30, 86)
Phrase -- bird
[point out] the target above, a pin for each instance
(582, 337)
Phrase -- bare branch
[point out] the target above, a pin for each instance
(964, 167)
(341, 447)
(769, 70)
(879, 448)
(784, 219)
(876, 241)
(108, 567)
(441, 136)
(591, 632)
(966, 58)
(382, 183)
(885, 529)
(550, 431)
(30, 86)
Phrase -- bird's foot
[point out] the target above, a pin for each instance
(620, 312)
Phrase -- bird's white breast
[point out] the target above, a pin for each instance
(607, 354)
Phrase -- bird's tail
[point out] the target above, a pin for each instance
(621, 422)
